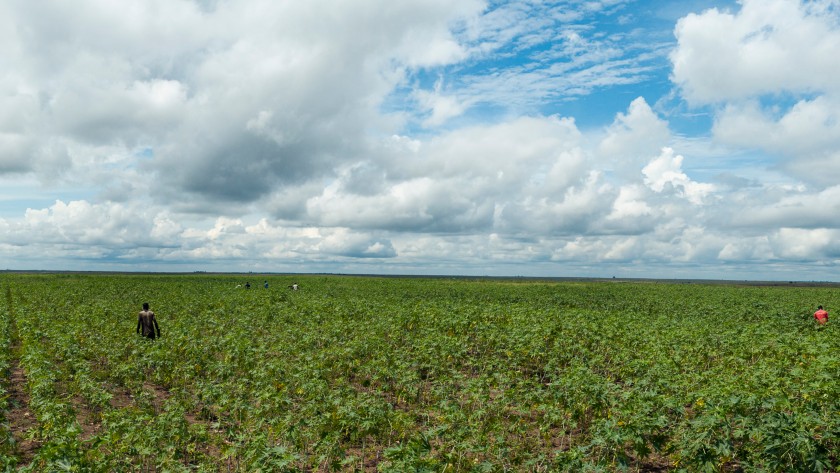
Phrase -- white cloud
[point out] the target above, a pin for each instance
(233, 100)
(806, 245)
(314, 136)
(805, 210)
(630, 204)
(441, 108)
(665, 172)
(81, 224)
(807, 135)
(457, 182)
(164, 229)
(530, 183)
(747, 249)
(632, 138)
(768, 70)
(226, 226)
(15, 151)
(576, 210)
(809, 127)
(768, 46)
(558, 55)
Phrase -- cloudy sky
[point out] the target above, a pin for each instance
(627, 138)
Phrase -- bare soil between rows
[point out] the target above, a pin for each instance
(20, 418)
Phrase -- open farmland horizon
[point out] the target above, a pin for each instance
(672, 280)
(354, 373)
(656, 139)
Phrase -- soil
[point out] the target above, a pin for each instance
(20, 418)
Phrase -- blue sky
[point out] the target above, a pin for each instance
(692, 139)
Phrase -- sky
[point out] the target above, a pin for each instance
(567, 138)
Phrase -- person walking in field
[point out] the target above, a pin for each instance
(821, 316)
(147, 323)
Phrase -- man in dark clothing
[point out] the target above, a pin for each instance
(146, 323)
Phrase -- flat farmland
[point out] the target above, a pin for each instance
(415, 374)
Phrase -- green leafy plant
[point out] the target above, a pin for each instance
(389, 374)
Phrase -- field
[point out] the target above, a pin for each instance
(390, 374)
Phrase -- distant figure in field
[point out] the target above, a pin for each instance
(248, 285)
(265, 284)
(294, 287)
(821, 316)
(147, 323)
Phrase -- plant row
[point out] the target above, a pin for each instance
(380, 374)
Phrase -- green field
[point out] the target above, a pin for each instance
(389, 374)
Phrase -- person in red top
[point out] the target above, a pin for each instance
(821, 316)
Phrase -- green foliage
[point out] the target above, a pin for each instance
(450, 375)
(7, 442)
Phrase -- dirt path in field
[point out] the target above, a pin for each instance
(90, 419)
(159, 395)
(21, 420)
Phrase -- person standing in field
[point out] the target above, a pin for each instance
(821, 316)
(147, 323)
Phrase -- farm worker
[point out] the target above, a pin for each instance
(821, 316)
(147, 322)
(248, 285)
(265, 285)
(294, 287)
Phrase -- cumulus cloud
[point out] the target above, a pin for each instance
(440, 107)
(804, 210)
(768, 46)
(806, 245)
(81, 230)
(527, 191)
(234, 100)
(15, 150)
(302, 113)
(664, 174)
(747, 249)
(457, 182)
(743, 62)
(806, 136)
(574, 211)
(630, 203)
(262, 135)
(632, 138)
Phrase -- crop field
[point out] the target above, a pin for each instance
(412, 374)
